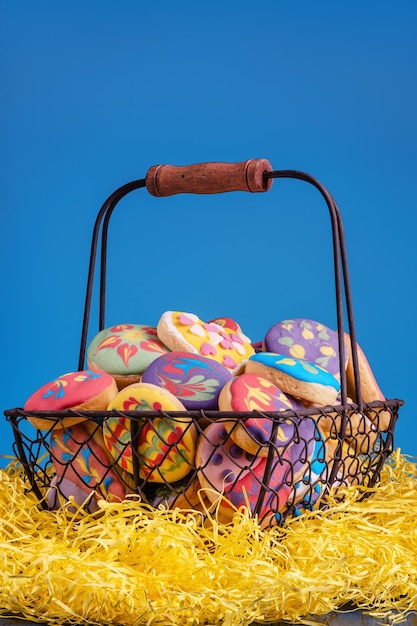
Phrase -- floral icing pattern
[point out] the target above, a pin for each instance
(57, 388)
(226, 344)
(125, 348)
(306, 339)
(68, 390)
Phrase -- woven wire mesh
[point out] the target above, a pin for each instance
(205, 461)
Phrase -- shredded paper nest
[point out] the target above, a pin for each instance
(137, 565)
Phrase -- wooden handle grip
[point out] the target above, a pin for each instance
(168, 180)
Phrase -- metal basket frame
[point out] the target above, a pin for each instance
(29, 449)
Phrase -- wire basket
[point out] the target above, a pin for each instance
(304, 454)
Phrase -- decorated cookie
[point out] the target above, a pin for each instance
(185, 332)
(303, 448)
(351, 466)
(226, 322)
(308, 488)
(165, 446)
(63, 490)
(85, 390)
(252, 392)
(125, 351)
(296, 377)
(84, 468)
(305, 339)
(369, 387)
(193, 379)
(358, 430)
(229, 471)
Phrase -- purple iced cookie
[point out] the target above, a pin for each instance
(62, 489)
(305, 339)
(193, 379)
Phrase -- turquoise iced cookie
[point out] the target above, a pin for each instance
(297, 377)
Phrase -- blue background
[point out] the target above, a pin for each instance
(94, 93)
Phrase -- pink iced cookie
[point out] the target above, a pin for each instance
(82, 391)
(252, 392)
(225, 468)
(186, 332)
(308, 488)
(63, 490)
(226, 322)
(83, 466)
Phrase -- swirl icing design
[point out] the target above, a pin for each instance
(165, 447)
(195, 380)
(125, 348)
(305, 339)
(225, 344)
(297, 368)
(78, 455)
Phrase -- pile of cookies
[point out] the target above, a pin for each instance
(186, 453)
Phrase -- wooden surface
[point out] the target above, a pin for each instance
(201, 178)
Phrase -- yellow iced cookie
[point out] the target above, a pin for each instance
(225, 344)
(165, 446)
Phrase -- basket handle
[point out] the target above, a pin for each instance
(218, 183)
(212, 176)
(206, 178)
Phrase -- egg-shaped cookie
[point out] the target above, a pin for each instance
(85, 390)
(234, 477)
(84, 468)
(195, 380)
(186, 332)
(253, 392)
(125, 351)
(165, 445)
(306, 339)
(296, 377)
